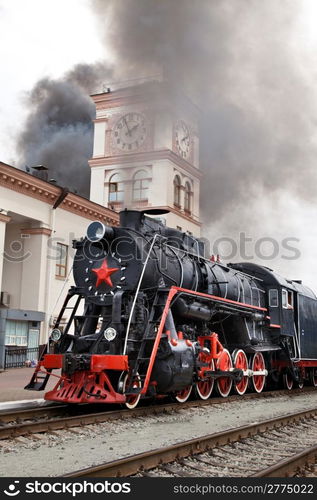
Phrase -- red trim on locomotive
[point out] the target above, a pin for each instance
(171, 293)
(52, 361)
(100, 362)
(215, 348)
(306, 363)
(85, 387)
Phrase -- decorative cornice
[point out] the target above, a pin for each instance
(36, 230)
(149, 156)
(89, 209)
(156, 92)
(26, 184)
(4, 218)
(97, 120)
(181, 214)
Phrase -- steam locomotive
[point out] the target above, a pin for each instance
(151, 316)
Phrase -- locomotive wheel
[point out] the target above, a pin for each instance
(224, 363)
(258, 363)
(183, 395)
(288, 381)
(204, 388)
(300, 383)
(313, 376)
(240, 361)
(132, 400)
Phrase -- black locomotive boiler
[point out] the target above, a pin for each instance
(150, 315)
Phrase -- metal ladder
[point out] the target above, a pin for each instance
(39, 379)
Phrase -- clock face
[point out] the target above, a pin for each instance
(130, 132)
(182, 139)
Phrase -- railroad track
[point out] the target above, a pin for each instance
(59, 417)
(277, 447)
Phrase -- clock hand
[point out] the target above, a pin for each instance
(134, 127)
(129, 131)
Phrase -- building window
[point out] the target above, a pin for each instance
(140, 186)
(273, 298)
(187, 199)
(116, 188)
(177, 191)
(61, 260)
(16, 332)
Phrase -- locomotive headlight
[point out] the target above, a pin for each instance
(56, 335)
(110, 333)
(96, 231)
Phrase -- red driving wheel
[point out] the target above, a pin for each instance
(132, 400)
(258, 364)
(205, 386)
(240, 361)
(184, 394)
(224, 363)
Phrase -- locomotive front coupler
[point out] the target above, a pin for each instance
(76, 362)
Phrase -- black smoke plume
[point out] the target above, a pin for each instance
(238, 61)
(58, 132)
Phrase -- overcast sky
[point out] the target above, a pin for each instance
(39, 38)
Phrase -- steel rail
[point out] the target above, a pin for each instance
(18, 428)
(148, 460)
(288, 466)
(31, 412)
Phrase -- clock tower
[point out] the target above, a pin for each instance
(146, 153)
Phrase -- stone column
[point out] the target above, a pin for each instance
(34, 268)
(4, 219)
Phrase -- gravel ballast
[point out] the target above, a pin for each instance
(64, 451)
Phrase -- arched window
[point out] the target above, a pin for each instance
(177, 191)
(116, 188)
(140, 185)
(187, 198)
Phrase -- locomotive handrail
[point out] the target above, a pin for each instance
(218, 299)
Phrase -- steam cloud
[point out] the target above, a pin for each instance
(238, 60)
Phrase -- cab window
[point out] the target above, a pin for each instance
(273, 298)
(287, 299)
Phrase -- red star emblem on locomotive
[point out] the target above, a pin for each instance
(104, 272)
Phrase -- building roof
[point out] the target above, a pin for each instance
(29, 185)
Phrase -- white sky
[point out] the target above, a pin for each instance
(39, 38)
